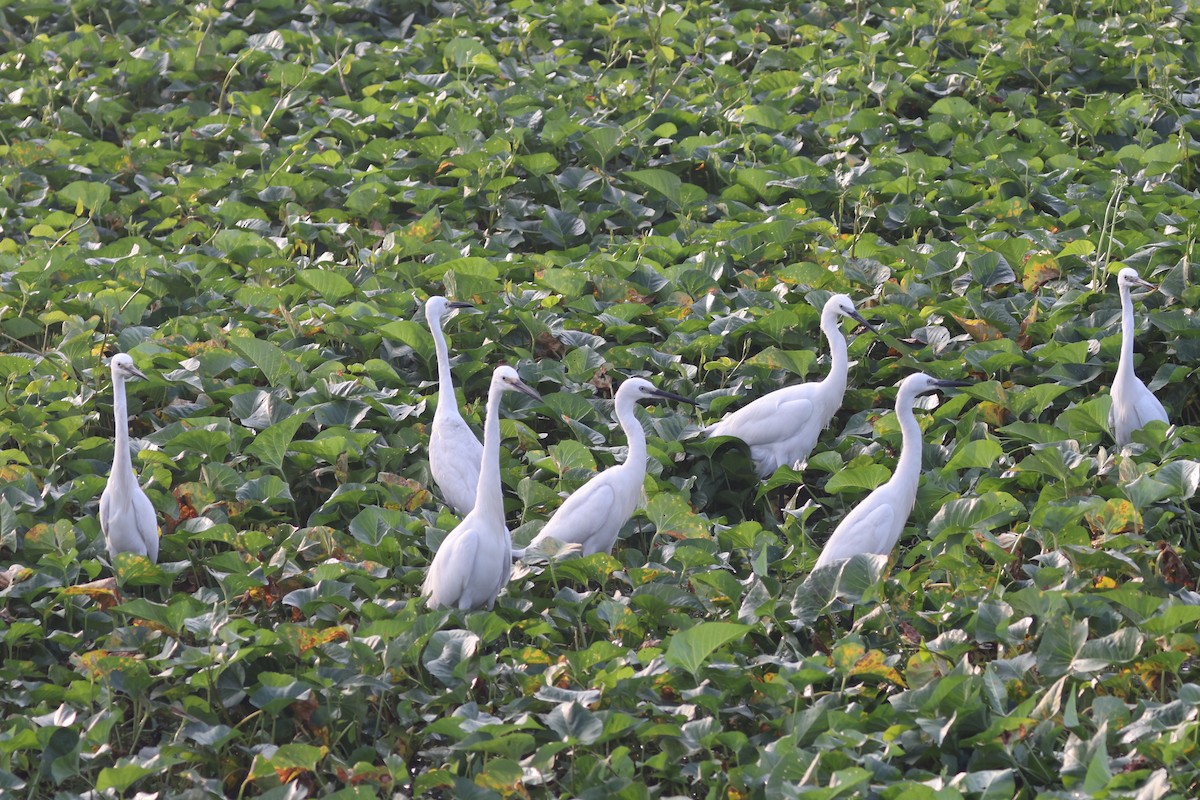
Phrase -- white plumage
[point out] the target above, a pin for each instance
(875, 524)
(454, 449)
(127, 516)
(595, 513)
(782, 427)
(1133, 405)
(474, 562)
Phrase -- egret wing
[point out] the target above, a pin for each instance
(450, 572)
(146, 522)
(454, 457)
(1146, 408)
(589, 517)
(765, 420)
(872, 531)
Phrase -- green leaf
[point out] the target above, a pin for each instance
(560, 228)
(271, 445)
(331, 286)
(980, 453)
(691, 647)
(86, 195)
(286, 758)
(661, 181)
(413, 334)
(269, 489)
(267, 357)
(275, 692)
(574, 723)
(860, 478)
(983, 513)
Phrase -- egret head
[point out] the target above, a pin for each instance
(919, 384)
(122, 367)
(642, 389)
(842, 305)
(506, 378)
(1129, 277)
(437, 307)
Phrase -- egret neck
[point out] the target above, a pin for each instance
(489, 500)
(122, 466)
(627, 419)
(839, 366)
(1125, 362)
(908, 467)
(445, 377)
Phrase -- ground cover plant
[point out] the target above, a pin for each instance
(254, 200)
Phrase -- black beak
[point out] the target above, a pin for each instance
(953, 384)
(525, 388)
(938, 385)
(672, 396)
(854, 315)
(461, 304)
(1147, 284)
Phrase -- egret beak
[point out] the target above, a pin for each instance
(525, 388)
(461, 304)
(1147, 284)
(672, 396)
(952, 384)
(854, 315)
(134, 372)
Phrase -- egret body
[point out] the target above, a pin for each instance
(1133, 405)
(454, 449)
(875, 524)
(782, 427)
(127, 516)
(475, 560)
(595, 513)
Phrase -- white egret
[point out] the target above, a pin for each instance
(474, 562)
(782, 427)
(127, 516)
(1133, 405)
(594, 513)
(454, 449)
(875, 524)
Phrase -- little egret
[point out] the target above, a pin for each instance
(594, 514)
(475, 560)
(1133, 405)
(874, 525)
(127, 516)
(782, 427)
(454, 449)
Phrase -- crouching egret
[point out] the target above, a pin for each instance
(475, 560)
(127, 516)
(874, 525)
(594, 513)
(454, 449)
(782, 427)
(1133, 405)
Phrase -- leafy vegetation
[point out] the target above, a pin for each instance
(254, 199)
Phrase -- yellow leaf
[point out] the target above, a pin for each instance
(873, 665)
(1039, 268)
(979, 330)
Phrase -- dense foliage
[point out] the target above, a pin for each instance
(253, 199)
